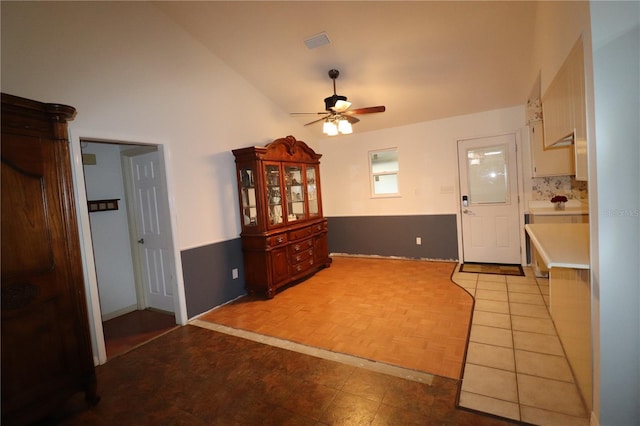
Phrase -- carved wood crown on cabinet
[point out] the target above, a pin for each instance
(46, 346)
(284, 234)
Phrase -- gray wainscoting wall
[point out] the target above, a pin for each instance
(207, 275)
(207, 270)
(395, 236)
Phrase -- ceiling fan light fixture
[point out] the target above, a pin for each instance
(341, 105)
(345, 127)
(329, 128)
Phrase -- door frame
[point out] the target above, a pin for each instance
(86, 243)
(519, 135)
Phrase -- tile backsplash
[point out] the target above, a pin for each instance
(545, 188)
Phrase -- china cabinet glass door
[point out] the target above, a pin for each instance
(248, 193)
(294, 187)
(312, 192)
(274, 195)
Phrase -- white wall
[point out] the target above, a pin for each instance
(427, 154)
(133, 75)
(110, 231)
(615, 215)
(558, 26)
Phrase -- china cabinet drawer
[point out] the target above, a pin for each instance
(301, 246)
(276, 240)
(299, 257)
(300, 233)
(302, 266)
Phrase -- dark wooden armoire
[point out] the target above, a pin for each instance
(46, 345)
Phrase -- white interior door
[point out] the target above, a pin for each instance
(489, 200)
(152, 227)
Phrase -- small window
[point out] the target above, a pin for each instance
(384, 172)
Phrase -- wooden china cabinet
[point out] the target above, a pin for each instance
(284, 234)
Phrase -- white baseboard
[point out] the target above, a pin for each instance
(377, 256)
(119, 312)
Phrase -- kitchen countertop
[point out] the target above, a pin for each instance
(561, 245)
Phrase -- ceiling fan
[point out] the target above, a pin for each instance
(337, 116)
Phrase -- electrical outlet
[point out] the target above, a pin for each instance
(234, 273)
(419, 241)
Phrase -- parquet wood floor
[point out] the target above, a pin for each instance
(401, 312)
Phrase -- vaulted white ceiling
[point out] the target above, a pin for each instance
(422, 60)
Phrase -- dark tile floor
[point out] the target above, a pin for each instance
(127, 331)
(195, 376)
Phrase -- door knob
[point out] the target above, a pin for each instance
(467, 211)
(141, 241)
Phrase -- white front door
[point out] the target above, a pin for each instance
(489, 200)
(152, 227)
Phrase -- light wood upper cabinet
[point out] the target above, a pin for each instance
(548, 161)
(579, 110)
(564, 110)
(556, 108)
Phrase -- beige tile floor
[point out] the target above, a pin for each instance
(516, 366)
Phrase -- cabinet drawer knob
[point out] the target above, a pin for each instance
(298, 258)
(296, 247)
(280, 239)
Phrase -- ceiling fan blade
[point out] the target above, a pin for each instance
(367, 110)
(350, 119)
(315, 121)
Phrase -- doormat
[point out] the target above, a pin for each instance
(492, 268)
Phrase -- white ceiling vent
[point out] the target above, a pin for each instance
(317, 40)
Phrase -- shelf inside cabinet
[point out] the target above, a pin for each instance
(249, 202)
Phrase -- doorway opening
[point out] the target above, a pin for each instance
(132, 243)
